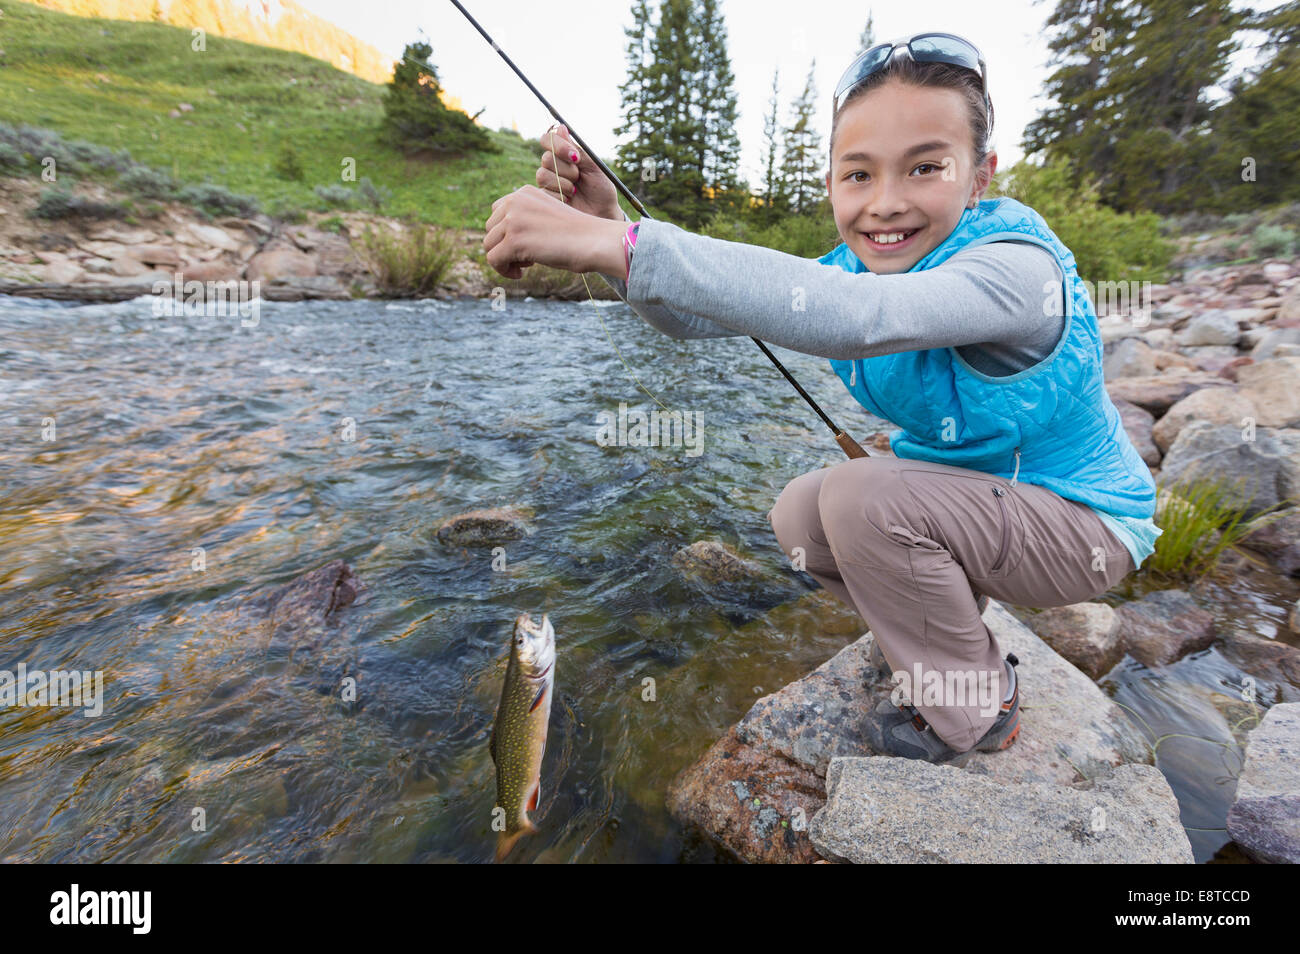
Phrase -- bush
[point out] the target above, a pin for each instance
(12, 162)
(286, 211)
(1107, 245)
(808, 236)
(148, 182)
(1273, 241)
(332, 224)
(218, 200)
(409, 265)
(335, 196)
(371, 195)
(287, 165)
(59, 203)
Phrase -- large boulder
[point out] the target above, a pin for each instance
(1086, 634)
(1265, 818)
(1158, 393)
(1126, 816)
(1258, 473)
(1273, 386)
(1212, 405)
(783, 747)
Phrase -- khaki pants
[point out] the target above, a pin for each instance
(910, 545)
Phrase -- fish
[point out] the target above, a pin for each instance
(518, 742)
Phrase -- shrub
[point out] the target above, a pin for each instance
(148, 182)
(371, 195)
(287, 165)
(12, 162)
(410, 264)
(336, 196)
(218, 200)
(59, 203)
(1107, 245)
(332, 224)
(1273, 241)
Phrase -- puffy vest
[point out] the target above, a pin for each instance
(1052, 424)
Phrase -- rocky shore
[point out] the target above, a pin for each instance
(1208, 385)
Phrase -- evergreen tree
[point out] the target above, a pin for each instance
(719, 155)
(415, 119)
(868, 38)
(771, 182)
(636, 160)
(679, 102)
(802, 184)
(1257, 162)
(1132, 109)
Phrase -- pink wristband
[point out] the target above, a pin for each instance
(629, 243)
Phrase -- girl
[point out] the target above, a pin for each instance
(962, 321)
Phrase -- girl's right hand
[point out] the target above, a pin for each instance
(584, 186)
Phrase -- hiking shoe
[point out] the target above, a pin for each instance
(903, 731)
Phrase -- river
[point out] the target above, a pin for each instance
(162, 474)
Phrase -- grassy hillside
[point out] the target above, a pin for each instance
(279, 23)
(114, 83)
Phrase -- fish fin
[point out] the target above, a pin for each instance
(506, 842)
(533, 799)
(538, 700)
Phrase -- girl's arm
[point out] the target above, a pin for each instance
(674, 324)
(1007, 292)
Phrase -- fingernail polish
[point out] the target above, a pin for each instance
(573, 156)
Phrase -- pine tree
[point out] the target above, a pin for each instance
(1258, 157)
(415, 119)
(1132, 109)
(636, 159)
(679, 102)
(720, 150)
(773, 201)
(868, 37)
(801, 184)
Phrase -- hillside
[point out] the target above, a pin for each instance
(276, 23)
(228, 113)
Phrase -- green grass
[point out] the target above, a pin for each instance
(1199, 522)
(114, 82)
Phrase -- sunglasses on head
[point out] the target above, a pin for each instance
(923, 48)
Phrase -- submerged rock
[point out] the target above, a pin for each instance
(715, 562)
(1163, 627)
(1265, 818)
(483, 528)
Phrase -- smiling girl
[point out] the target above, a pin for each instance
(962, 321)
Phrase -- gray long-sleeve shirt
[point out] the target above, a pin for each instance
(989, 302)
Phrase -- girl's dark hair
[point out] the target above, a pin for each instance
(906, 70)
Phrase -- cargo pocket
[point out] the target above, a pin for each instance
(913, 538)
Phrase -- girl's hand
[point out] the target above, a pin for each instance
(581, 184)
(529, 227)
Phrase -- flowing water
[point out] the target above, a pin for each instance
(162, 475)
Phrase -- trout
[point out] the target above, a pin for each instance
(518, 740)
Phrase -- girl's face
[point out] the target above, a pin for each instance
(902, 164)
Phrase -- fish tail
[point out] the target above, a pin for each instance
(507, 839)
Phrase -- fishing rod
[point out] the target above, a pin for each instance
(847, 444)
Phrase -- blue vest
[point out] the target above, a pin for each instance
(1054, 422)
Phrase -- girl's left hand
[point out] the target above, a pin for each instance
(529, 227)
